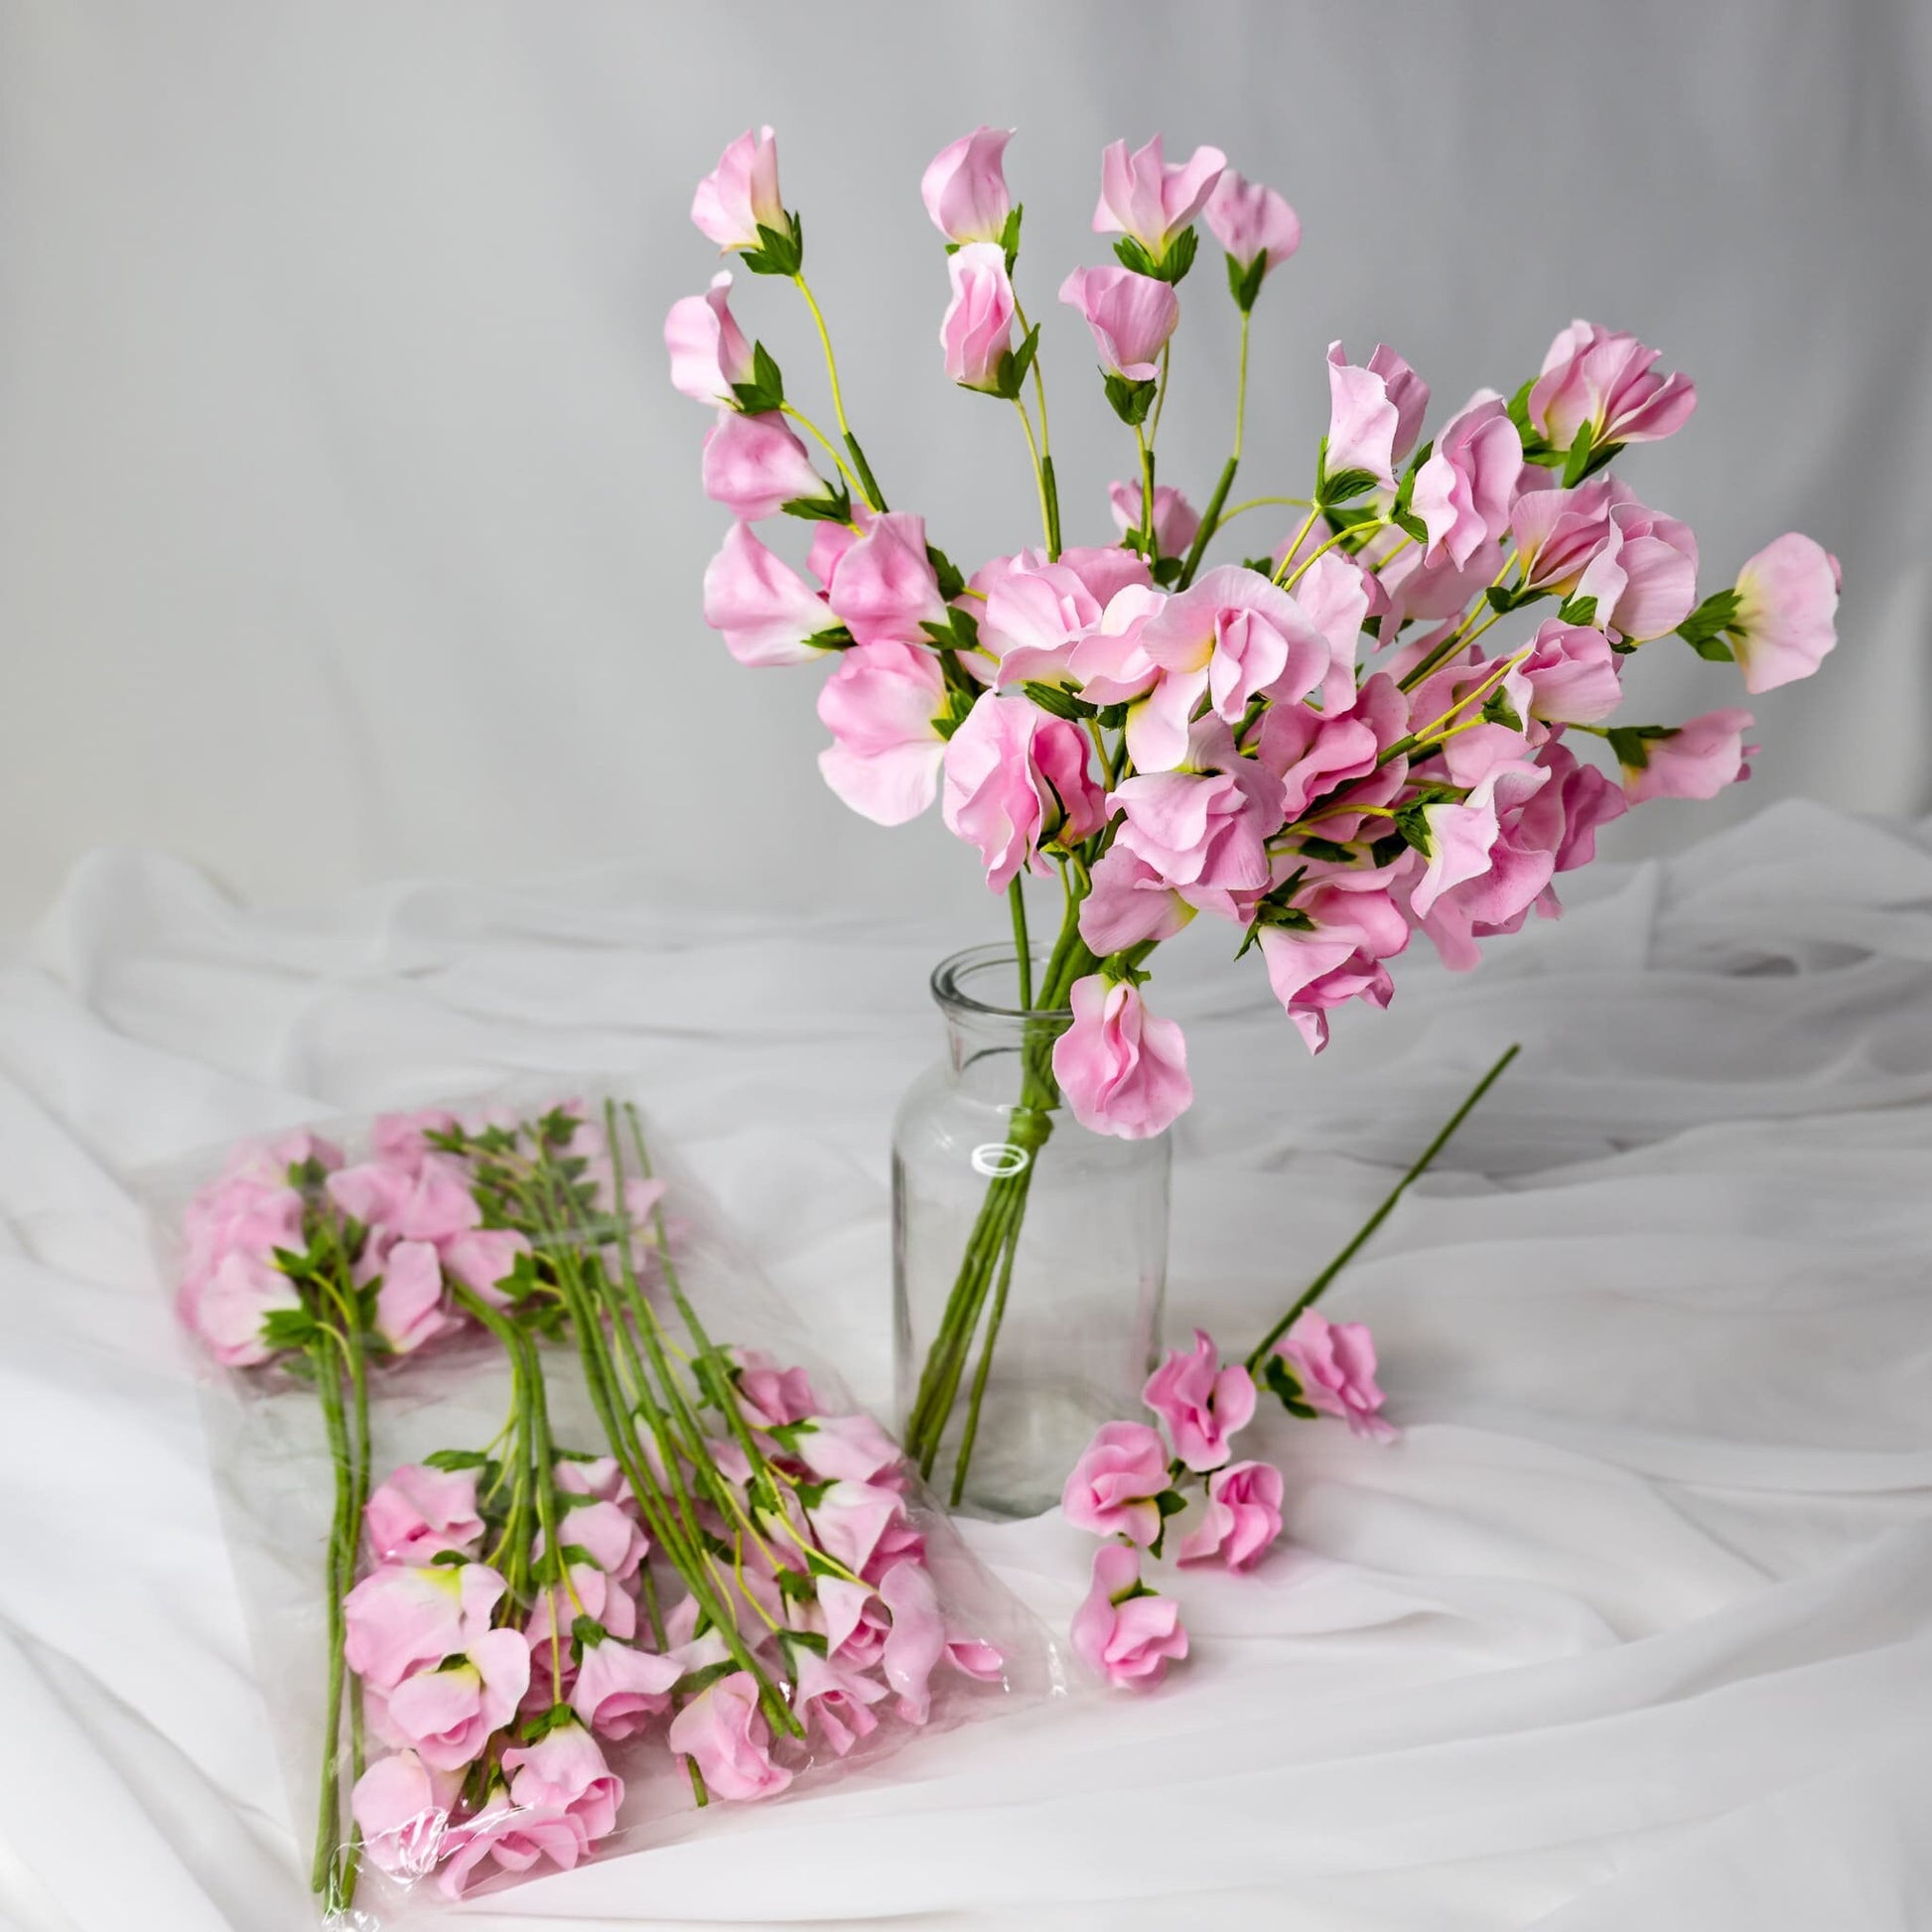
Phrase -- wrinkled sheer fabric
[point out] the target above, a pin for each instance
(1633, 1626)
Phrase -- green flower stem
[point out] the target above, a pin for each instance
(970, 1435)
(324, 1876)
(1312, 1292)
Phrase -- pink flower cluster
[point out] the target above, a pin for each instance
(1132, 1477)
(1331, 753)
(500, 1702)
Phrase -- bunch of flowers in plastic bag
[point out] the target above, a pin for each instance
(732, 1578)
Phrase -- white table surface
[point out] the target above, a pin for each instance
(1632, 1629)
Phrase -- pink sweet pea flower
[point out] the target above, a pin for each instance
(1175, 519)
(707, 347)
(409, 1304)
(1338, 958)
(1695, 760)
(1124, 1631)
(1016, 780)
(1572, 673)
(845, 1448)
(1034, 615)
(1644, 574)
(514, 1836)
(1203, 829)
(1249, 220)
(835, 1699)
(1129, 902)
(1465, 490)
(1144, 198)
(1603, 379)
(852, 1520)
(403, 1808)
(881, 707)
(1111, 1489)
(1202, 1404)
(1229, 638)
(755, 466)
(723, 1732)
(1131, 317)
(976, 332)
(449, 1713)
(565, 1771)
(400, 1140)
(401, 1617)
(1375, 413)
(1559, 532)
(1585, 797)
(767, 612)
(1335, 1362)
(918, 1639)
(420, 1512)
(1463, 836)
(883, 585)
(964, 186)
(1121, 1068)
(774, 1396)
(1787, 607)
(740, 195)
(228, 1309)
(480, 1258)
(1241, 1516)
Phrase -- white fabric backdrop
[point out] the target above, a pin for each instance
(349, 529)
(1634, 1628)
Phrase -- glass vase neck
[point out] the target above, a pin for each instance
(978, 993)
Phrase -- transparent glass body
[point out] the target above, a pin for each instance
(1029, 1255)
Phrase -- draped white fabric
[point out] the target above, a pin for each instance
(1633, 1627)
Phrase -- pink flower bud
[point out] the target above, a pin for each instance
(965, 189)
(1121, 1068)
(1124, 1631)
(708, 349)
(1203, 1405)
(1787, 607)
(1249, 220)
(740, 195)
(1140, 197)
(1131, 317)
(1335, 1362)
(977, 330)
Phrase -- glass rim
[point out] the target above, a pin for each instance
(948, 990)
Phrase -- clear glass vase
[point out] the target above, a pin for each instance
(1029, 1255)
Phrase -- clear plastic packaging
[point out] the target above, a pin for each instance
(547, 1519)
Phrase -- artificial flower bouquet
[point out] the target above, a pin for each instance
(538, 1543)
(1384, 719)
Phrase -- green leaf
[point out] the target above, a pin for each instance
(766, 373)
(1133, 256)
(693, 1681)
(1131, 401)
(1576, 466)
(448, 1560)
(832, 509)
(1345, 484)
(1716, 615)
(1179, 256)
(1713, 648)
(586, 1630)
(1502, 598)
(1631, 742)
(1244, 284)
(1326, 850)
(1009, 235)
(1497, 710)
(1386, 851)
(1171, 1502)
(1014, 364)
(454, 1460)
(1578, 610)
(1061, 703)
(1410, 524)
(777, 253)
(951, 581)
(1166, 571)
(1519, 410)
(794, 1583)
(1283, 1381)
(836, 639)
(289, 1328)
(810, 1640)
